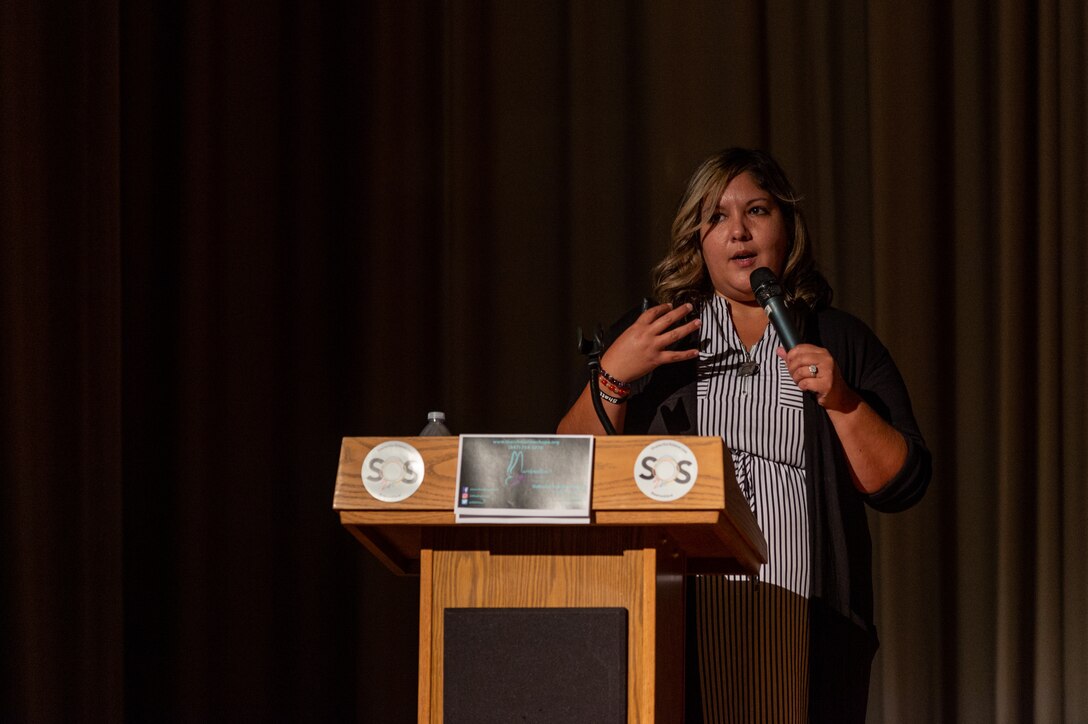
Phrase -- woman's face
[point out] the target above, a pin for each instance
(745, 232)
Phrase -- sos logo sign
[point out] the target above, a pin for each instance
(392, 471)
(666, 470)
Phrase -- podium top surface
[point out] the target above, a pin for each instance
(712, 523)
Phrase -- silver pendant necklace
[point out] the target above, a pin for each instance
(749, 368)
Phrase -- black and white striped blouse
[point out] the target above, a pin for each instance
(750, 400)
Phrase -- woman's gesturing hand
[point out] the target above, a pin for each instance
(643, 346)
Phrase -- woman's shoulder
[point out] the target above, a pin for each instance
(835, 317)
(849, 338)
(834, 322)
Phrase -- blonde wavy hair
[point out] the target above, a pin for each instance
(682, 275)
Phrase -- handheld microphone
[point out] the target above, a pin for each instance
(769, 295)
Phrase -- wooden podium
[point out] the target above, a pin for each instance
(633, 555)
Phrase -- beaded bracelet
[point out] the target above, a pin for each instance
(619, 391)
(609, 378)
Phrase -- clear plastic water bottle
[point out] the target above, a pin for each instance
(436, 425)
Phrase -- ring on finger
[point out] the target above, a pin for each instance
(813, 370)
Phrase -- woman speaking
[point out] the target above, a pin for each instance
(817, 432)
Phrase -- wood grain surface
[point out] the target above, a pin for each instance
(713, 521)
(542, 567)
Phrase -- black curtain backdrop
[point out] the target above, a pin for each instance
(233, 233)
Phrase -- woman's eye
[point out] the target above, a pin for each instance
(716, 218)
(757, 210)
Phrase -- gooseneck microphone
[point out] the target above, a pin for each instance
(769, 295)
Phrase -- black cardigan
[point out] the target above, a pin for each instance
(843, 637)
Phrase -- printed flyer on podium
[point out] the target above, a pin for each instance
(524, 478)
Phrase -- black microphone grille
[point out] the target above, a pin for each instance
(761, 276)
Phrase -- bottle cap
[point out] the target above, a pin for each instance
(436, 415)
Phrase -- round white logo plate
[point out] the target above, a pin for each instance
(666, 470)
(392, 471)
